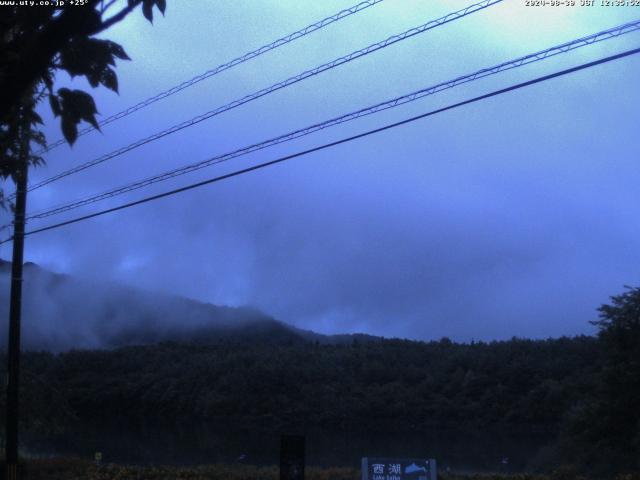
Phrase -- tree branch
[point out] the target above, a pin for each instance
(39, 51)
(116, 18)
(108, 6)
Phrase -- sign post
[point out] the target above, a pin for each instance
(292, 457)
(398, 469)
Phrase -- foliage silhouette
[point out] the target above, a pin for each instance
(36, 42)
(604, 433)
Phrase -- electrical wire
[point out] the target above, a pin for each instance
(339, 142)
(277, 86)
(225, 66)
(388, 104)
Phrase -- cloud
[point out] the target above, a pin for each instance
(516, 216)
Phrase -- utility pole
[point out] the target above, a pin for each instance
(15, 307)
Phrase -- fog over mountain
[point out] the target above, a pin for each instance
(515, 216)
(61, 312)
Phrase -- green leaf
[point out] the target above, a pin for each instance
(109, 79)
(35, 118)
(48, 81)
(55, 104)
(92, 21)
(36, 160)
(69, 129)
(90, 57)
(81, 102)
(117, 51)
(64, 93)
(76, 106)
(39, 138)
(147, 9)
(162, 5)
(93, 78)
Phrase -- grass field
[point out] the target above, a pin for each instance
(76, 469)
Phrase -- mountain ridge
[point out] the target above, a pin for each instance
(62, 312)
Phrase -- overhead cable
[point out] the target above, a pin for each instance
(275, 87)
(225, 66)
(388, 104)
(337, 142)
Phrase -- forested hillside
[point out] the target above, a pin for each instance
(584, 392)
(519, 384)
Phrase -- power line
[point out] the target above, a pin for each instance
(225, 66)
(338, 142)
(277, 86)
(388, 104)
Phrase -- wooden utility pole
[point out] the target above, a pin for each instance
(15, 307)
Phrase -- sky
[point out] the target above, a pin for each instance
(515, 216)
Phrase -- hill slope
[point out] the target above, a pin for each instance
(61, 312)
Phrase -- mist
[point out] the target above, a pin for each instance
(60, 313)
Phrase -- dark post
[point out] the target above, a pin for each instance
(292, 457)
(13, 352)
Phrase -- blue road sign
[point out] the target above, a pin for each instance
(398, 469)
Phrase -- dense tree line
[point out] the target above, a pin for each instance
(585, 391)
(604, 433)
(519, 384)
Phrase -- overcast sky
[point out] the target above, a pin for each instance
(517, 216)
